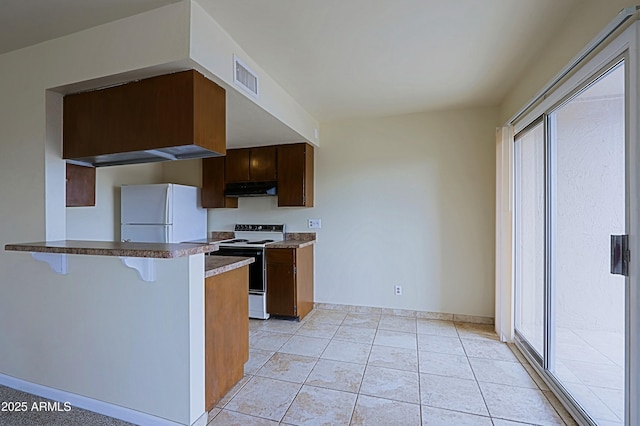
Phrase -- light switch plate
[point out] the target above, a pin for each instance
(315, 223)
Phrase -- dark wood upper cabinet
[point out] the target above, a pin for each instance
(81, 186)
(213, 181)
(251, 164)
(263, 164)
(290, 165)
(295, 175)
(237, 165)
(180, 115)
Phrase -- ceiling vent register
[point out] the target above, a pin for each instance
(244, 77)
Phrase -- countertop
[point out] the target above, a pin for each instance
(291, 244)
(291, 239)
(216, 265)
(114, 248)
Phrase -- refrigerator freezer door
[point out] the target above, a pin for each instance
(146, 204)
(147, 233)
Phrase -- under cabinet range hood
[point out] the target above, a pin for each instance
(170, 117)
(250, 189)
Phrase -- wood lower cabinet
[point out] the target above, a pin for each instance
(290, 281)
(295, 175)
(226, 332)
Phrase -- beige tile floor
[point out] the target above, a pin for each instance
(347, 368)
(341, 368)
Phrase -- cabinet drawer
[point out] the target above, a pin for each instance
(281, 256)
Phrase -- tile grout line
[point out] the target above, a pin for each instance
(355, 403)
(484, 400)
(308, 374)
(310, 371)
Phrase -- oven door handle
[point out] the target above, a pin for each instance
(238, 252)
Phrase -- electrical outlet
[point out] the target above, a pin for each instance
(398, 290)
(315, 223)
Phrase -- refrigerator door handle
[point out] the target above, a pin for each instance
(166, 234)
(166, 204)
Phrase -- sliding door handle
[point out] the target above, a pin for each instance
(620, 255)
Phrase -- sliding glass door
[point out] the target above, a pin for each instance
(587, 189)
(570, 180)
(529, 193)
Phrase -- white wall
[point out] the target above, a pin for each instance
(406, 200)
(55, 330)
(213, 48)
(30, 123)
(69, 332)
(101, 332)
(102, 222)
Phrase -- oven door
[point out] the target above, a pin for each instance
(257, 270)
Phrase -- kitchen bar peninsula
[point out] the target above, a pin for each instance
(115, 343)
(226, 324)
(114, 248)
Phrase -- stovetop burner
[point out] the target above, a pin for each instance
(260, 242)
(238, 240)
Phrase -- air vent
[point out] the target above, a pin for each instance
(244, 77)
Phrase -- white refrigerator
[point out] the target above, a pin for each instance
(161, 213)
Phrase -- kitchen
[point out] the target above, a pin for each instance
(168, 221)
(366, 191)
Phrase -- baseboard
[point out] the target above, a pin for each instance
(90, 404)
(406, 313)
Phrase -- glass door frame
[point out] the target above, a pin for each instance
(624, 47)
(539, 358)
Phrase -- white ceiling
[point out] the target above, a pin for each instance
(342, 58)
(27, 22)
(345, 58)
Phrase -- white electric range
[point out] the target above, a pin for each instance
(250, 241)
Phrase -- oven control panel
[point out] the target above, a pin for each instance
(258, 228)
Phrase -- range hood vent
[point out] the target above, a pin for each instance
(251, 189)
(244, 77)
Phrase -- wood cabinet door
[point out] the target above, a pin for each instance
(281, 282)
(226, 332)
(263, 164)
(237, 165)
(304, 280)
(295, 175)
(212, 195)
(81, 185)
